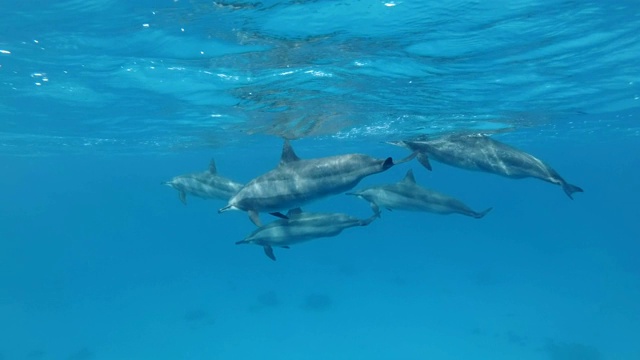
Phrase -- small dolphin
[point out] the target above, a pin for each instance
(207, 185)
(299, 227)
(296, 182)
(407, 195)
(480, 152)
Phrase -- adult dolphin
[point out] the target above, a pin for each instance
(480, 152)
(408, 195)
(207, 185)
(296, 182)
(299, 227)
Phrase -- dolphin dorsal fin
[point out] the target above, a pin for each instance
(409, 177)
(294, 212)
(288, 155)
(212, 167)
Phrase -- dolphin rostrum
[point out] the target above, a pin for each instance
(408, 195)
(295, 182)
(207, 185)
(299, 227)
(480, 152)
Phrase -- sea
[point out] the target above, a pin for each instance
(102, 101)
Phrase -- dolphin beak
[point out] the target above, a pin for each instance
(396, 143)
(227, 208)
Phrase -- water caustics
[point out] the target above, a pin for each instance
(125, 77)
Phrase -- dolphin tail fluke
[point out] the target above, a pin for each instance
(370, 219)
(268, 250)
(424, 160)
(408, 158)
(183, 196)
(480, 215)
(570, 189)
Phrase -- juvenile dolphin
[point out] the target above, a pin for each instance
(408, 195)
(480, 152)
(207, 185)
(299, 227)
(296, 182)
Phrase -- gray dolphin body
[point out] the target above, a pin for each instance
(206, 185)
(301, 227)
(408, 195)
(480, 152)
(296, 182)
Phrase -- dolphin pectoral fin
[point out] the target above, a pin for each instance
(279, 215)
(268, 250)
(424, 160)
(408, 158)
(481, 214)
(285, 247)
(570, 189)
(255, 218)
(183, 196)
(375, 208)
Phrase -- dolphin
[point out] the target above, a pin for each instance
(480, 152)
(299, 227)
(207, 185)
(408, 195)
(296, 182)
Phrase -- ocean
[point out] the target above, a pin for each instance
(101, 101)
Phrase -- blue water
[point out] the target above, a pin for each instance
(102, 100)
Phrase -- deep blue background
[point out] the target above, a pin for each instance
(99, 260)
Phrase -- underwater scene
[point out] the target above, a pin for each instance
(315, 179)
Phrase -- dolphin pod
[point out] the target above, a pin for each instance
(479, 152)
(296, 182)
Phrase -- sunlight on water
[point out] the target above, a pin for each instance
(373, 61)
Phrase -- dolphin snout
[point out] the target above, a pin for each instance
(396, 143)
